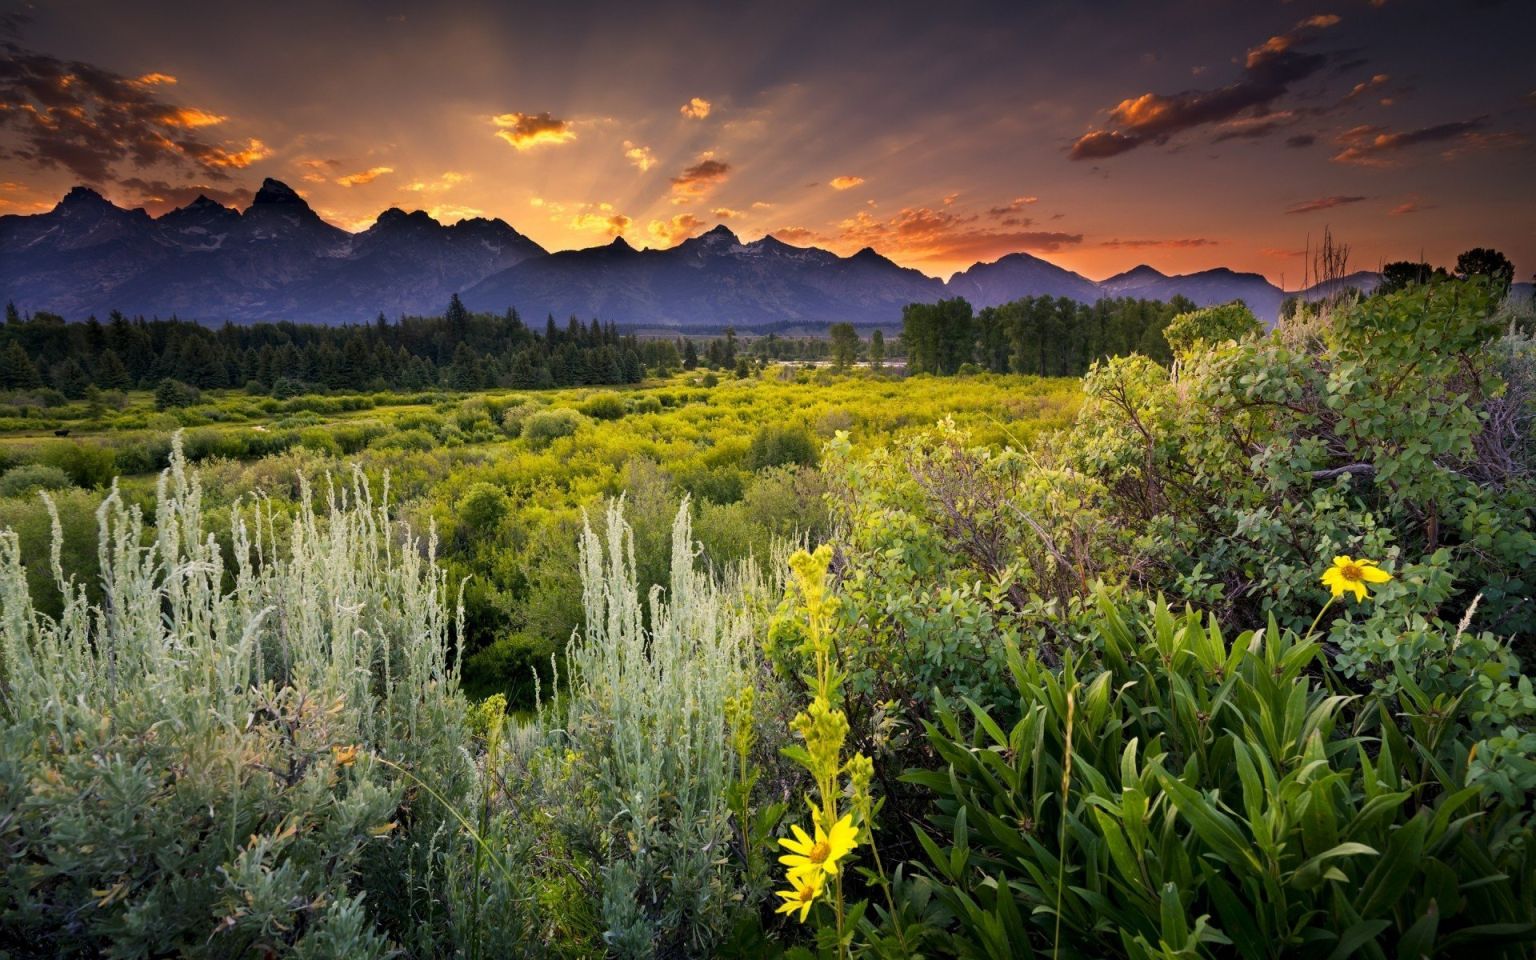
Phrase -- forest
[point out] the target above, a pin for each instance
(1131, 630)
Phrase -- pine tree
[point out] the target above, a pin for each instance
(110, 372)
(17, 371)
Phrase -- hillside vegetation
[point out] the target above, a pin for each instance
(1217, 652)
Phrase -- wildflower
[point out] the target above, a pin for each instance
(344, 755)
(820, 856)
(1350, 576)
(802, 893)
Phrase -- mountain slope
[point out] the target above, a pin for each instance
(713, 279)
(1019, 275)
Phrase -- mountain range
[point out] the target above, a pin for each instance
(278, 260)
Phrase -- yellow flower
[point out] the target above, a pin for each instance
(1350, 576)
(819, 857)
(803, 893)
(344, 755)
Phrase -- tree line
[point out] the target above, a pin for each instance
(458, 350)
(1044, 336)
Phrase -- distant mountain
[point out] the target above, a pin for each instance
(279, 260)
(1206, 288)
(712, 279)
(1019, 275)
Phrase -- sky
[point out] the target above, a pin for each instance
(1185, 134)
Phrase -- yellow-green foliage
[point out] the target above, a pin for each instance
(744, 450)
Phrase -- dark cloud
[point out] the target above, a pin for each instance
(11, 24)
(695, 181)
(1322, 203)
(1269, 71)
(1300, 140)
(1173, 242)
(78, 117)
(1372, 146)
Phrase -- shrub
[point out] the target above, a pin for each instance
(86, 464)
(779, 446)
(209, 768)
(1382, 429)
(513, 418)
(515, 666)
(547, 426)
(604, 406)
(1210, 326)
(1180, 794)
(646, 717)
(413, 439)
(26, 478)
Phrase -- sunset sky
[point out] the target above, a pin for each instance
(1097, 135)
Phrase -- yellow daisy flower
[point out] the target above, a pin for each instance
(1350, 576)
(819, 856)
(803, 893)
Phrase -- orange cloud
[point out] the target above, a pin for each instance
(1269, 71)
(796, 235)
(448, 180)
(923, 234)
(1376, 82)
(725, 213)
(365, 176)
(239, 159)
(1013, 206)
(605, 221)
(192, 117)
(696, 109)
(1372, 146)
(699, 179)
(640, 156)
(452, 213)
(527, 130)
(671, 232)
(844, 182)
(79, 117)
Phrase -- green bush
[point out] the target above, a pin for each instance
(1180, 794)
(543, 428)
(26, 478)
(1382, 429)
(604, 406)
(87, 465)
(413, 439)
(1210, 326)
(781, 446)
(516, 666)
